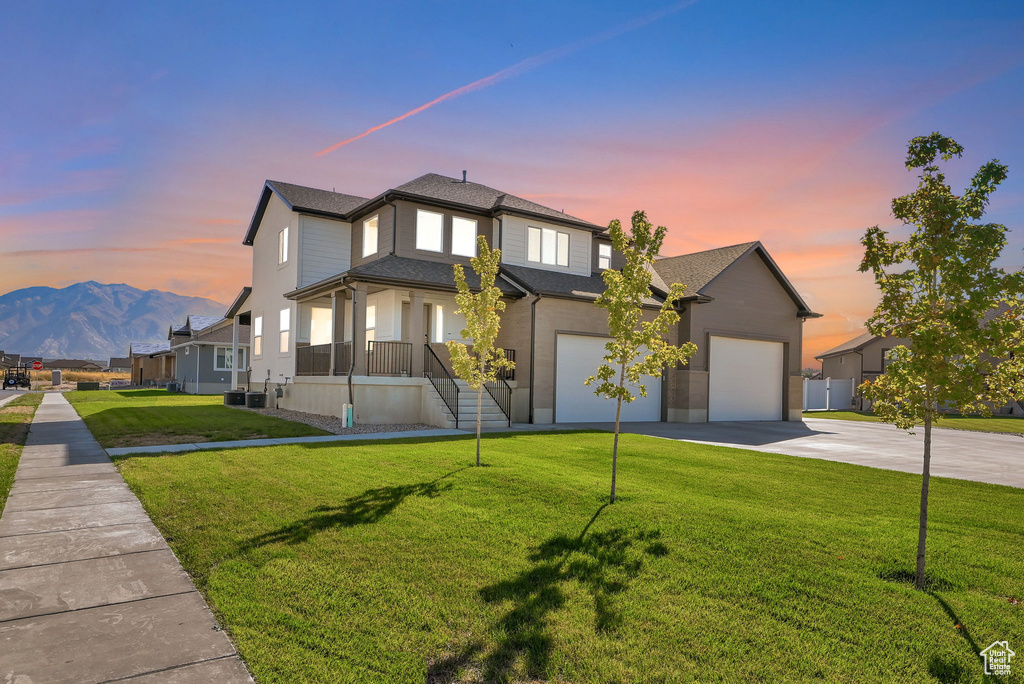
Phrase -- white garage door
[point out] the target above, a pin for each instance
(577, 358)
(745, 380)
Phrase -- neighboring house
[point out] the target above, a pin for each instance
(866, 356)
(345, 285)
(73, 365)
(120, 365)
(203, 359)
(152, 363)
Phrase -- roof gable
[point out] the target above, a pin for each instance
(698, 270)
(300, 198)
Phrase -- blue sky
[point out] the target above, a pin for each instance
(135, 136)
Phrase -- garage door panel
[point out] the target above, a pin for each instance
(746, 379)
(577, 358)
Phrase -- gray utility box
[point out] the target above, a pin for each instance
(55, 375)
(255, 400)
(234, 398)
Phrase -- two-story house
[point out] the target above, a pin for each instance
(352, 300)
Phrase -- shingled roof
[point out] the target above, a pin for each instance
(474, 195)
(856, 344)
(431, 187)
(392, 269)
(696, 270)
(543, 282)
(148, 348)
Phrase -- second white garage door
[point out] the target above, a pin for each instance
(745, 380)
(577, 358)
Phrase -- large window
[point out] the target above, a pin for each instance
(282, 246)
(547, 246)
(604, 256)
(371, 322)
(257, 335)
(429, 231)
(463, 237)
(286, 328)
(222, 359)
(370, 236)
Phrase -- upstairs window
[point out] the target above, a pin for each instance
(604, 256)
(257, 336)
(370, 236)
(282, 246)
(463, 237)
(429, 231)
(547, 246)
(286, 328)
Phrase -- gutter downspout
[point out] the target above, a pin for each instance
(394, 231)
(533, 346)
(352, 355)
(860, 400)
(199, 352)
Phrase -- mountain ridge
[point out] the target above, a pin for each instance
(92, 320)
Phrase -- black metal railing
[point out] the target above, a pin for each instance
(388, 358)
(313, 360)
(342, 357)
(502, 395)
(442, 381)
(508, 373)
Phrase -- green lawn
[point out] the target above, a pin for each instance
(953, 420)
(398, 562)
(140, 417)
(15, 417)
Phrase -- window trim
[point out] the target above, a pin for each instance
(440, 249)
(283, 237)
(376, 235)
(284, 333)
(541, 231)
(257, 336)
(242, 353)
(475, 231)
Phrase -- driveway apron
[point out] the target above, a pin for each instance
(89, 589)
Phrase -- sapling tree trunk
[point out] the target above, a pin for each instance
(479, 410)
(922, 533)
(615, 444)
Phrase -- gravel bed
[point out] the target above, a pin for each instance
(332, 424)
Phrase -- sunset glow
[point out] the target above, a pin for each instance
(129, 157)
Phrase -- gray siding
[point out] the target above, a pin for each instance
(385, 229)
(513, 249)
(324, 249)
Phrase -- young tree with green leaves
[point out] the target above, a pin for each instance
(940, 289)
(639, 348)
(482, 363)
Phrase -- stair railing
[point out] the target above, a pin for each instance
(442, 381)
(501, 392)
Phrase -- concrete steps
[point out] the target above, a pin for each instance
(491, 415)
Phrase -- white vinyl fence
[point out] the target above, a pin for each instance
(829, 394)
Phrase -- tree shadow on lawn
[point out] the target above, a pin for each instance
(604, 563)
(365, 509)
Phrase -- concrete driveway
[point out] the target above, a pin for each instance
(979, 456)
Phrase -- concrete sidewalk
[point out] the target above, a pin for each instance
(89, 590)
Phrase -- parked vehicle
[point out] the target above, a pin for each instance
(17, 376)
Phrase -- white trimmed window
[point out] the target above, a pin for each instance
(257, 336)
(370, 236)
(604, 256)
(547, 246)
(371, 322)
(222, 359)
(282, 246)
(463, 237)
(286, 328)
(429, 231)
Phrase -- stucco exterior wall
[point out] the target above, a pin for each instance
(270, 281)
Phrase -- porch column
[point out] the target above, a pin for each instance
(234, 353)
(416, 332)
(359, 328)
(334, 331)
